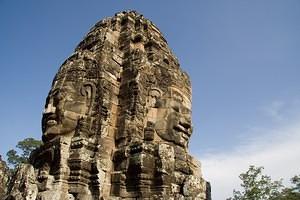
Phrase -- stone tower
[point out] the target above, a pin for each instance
(117, 122)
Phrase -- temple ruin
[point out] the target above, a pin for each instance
(117, 122)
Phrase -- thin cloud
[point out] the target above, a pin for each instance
(274, 110)
(276, 149)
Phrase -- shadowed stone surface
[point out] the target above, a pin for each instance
(117, 122)
(3, 178)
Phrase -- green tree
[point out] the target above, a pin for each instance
(291, 193)
(26, 146)
(257, 186)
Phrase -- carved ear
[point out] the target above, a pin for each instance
(88, 90)
(153, 96)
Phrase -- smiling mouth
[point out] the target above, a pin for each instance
(51, 122)
(180, 128)
(183, 129)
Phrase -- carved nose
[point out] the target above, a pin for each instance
(187, 124)
(50, 108)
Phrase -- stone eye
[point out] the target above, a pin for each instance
(176, 108)
(57, 96)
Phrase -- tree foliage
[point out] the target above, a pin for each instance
(257, 186)
(25, 146)
(291, 193)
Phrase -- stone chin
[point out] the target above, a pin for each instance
(54, 131)
(52, 128)
(182, 133)
(174, 127)
(177, 137)
(181, 139)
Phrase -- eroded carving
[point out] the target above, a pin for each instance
(173, 119)
(117, 121)
(64, 106)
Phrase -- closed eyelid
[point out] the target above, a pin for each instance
(186, 111)
(176, 108)
(58, 93)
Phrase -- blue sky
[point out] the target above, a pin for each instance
(243, 58)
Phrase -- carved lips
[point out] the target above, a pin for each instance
(51, 122)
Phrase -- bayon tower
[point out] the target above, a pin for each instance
(117, 122)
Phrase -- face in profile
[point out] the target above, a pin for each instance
(174, 121)
(64, 106)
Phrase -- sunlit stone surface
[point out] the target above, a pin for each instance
(117, 122)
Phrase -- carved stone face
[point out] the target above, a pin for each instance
(64, 106)
(173, 122)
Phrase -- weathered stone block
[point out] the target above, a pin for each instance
(117, 122)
